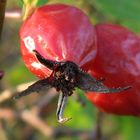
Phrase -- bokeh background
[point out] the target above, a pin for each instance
(33, 117)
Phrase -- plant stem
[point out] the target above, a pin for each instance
(99, 125)
(2, 13)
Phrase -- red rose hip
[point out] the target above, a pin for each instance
(118, 60)
(58, 32)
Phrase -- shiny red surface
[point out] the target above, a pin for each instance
(118, 60)
(59, 32)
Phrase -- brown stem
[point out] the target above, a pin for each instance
(32, 119)
(98, 133)
(2, 12)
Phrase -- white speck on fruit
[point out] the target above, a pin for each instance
(56, 58)
(42, 42)
(36, 65)
(29, 43)
(39, 38)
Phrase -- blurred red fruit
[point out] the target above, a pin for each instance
(118, 60)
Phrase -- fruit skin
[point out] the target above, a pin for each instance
(58, 32)
(118, 61)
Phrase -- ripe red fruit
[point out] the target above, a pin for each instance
(58, 32)
(118, 60)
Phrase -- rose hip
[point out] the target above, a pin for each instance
(118, 61)
(58, 32)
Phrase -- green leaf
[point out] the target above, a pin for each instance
(19, 74)
(83, 117)
(128, 127)
(125, 12)
(41, 2)
(35, 2)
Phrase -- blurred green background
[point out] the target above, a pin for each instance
(16, 117)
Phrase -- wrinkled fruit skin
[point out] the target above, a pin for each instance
(118, 60)
(58, 32)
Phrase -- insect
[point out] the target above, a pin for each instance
(65, 77)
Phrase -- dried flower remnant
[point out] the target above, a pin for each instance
(65, 77)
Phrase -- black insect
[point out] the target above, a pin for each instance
(65, 77)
